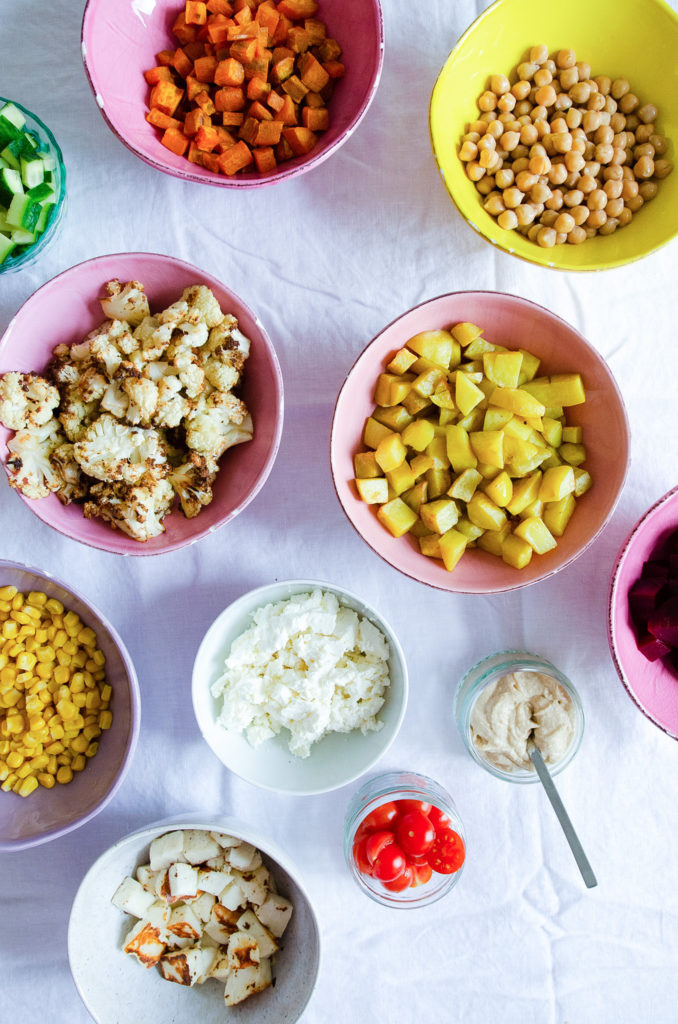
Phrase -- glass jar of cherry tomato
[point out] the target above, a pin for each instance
(403, 840)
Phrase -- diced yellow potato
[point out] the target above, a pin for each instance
(555, 412)
(459, 451)
(374, 432)
(465, 333)
(395, 417)
(492, 540)
(535, 508)
(442, 396)
(574, 454)
(503, 368)
(416, 495)
(522, 457)
(536, 422)
(553, 459)
(401, 478)
(557, 514)
(487, 387)
(366, 465)
(452, 547)
(488, 446)
(556, 483)
(558, 389)
(469, 529)
(537, 534)
(529, 367)
(466, 394)
(496, 418)
(437, 450)
(479, 347)
(582, 481)
(552, 431)
(525, 491)
(397, 517)
(418, 434)
(515, 551)
(520, 402)
(419, 530)
(572, 435)
(487, 471)
(401, 361)
(517, 427)
(483, 512)
(416, 403)
(446, 417)
(500, 490)
(422, 365)
(391, 389)
(438, 346)
(474, 420)
(374, 491)
(464, 486)
(439, 515)
(427, 382)
(420, 464)
(390, 452)
(438, 481)
(429, 545)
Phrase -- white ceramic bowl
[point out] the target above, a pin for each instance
(117, 990)
(337, 759)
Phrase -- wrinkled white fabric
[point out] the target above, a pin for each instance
(326, 261)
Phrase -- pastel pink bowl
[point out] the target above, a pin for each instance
(515, 323)
(49, 813)
(121, 37)
(651, 685)
(67, 308)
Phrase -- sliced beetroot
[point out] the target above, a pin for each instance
(655, 570)
(643, 599)
(663, 622)
(652, 648)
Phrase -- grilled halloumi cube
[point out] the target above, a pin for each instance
(249, 923)
(199, 846)
(148, 938)
(224, 840)
(213, 881)
(183, 882)
(218, 863)
(147, 877)
(167, 849)
(131, 897)
(243, 951)
(222, 923)
(188, 965)
(244, 857)
(232, 896)
(184, 928)
(248, 981)
(202, 905)
(275, 914)
(254, 884)
(220, 968)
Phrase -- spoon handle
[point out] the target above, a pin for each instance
(562, 815)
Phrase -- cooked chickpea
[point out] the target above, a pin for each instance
(564, 223)
(539, 165)
(625, 217)
(609, 227)
(525, 214)
(580, 92)
(613, 173)
(573, 118)
(574, 197)
(632, 122)
(499, 84)
(506, 103)
(495, 129)
(533, 232)
(539, 54)
(612, 189)
(525, 180)
(644, 168)
(614, 207)
(555, 201)
(521, 90)
(566, 59)
(629, 189)
(522, 164)
(662, 168)
(648, 190)
(643, 132)
(628, 103)
(596, 218)
(526, 70)
(488, 159)
(604, 154)
(546, 237)
(488, 117)
(604, 84)
(574, 161)
(563, 102)
(474, 171)
(504, 177)
(512, 197)
(659, 143)
(617, 122)
(486, 185)
(557, 174)
(635, 204)
(596, 102)
(647, 113)
(487, 101)
(576, 236)
(542, 77)
(597, 200)
(580, 214)
(540, 192)
(529, 134)
(620, 87)
(591, 121)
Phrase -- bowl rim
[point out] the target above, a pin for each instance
(12, 845)
(541, 309)
(397, 653)
(202, 821)
(13, 263)
(112, 547)
(612, 595)
(222, 181)
(609, 264)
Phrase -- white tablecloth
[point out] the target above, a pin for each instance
(326, 261)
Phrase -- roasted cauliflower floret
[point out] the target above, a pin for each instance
(26, 400)
(72, 484)
(191, 375)
(223, 357)
(74, 414)
(61, 371)
(111, 450)
(29, 468)
(201, 299)
(126, 302)
(153, 337)
(192, 481)
(172, 406)
(109, 343)
(219, 422)
(189, 335)
(136, 510)
(92, 384)
(115, 400)
(143, 399)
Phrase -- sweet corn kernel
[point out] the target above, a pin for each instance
(8, 783)
(36, 723)
(106, 692)
(79, 744)
(28, 786)
(66, 709)
(64, 775)
(52, 764)
(99, 657)
(90, 732)
(17, 601)
(26, 661)
(24, 770)
(92, 749)
(61, 674)
(21, 617)
(5, 607)
(77, 682)
(15, 723)
(46, 780)
(9, 629)
(79, 699)
(54, 606)
(78, 762)
(24, 679)
(65, 758)
(56, 730)
(8, 592)
(39, 762)
(56, 747)
(15, 759)
(30, 610)
(46, 654)
(4, 746)
(79, 659)
(63, 658)
(59, 638)
(92, 700)
(41, 636)
(105, 720)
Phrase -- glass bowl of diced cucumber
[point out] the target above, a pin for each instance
(32, 186)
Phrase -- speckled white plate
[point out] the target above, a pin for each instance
(116, 989)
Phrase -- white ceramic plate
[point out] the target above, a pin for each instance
(116, 989)
(336, 760)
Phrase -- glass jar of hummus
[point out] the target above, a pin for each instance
(513, 696)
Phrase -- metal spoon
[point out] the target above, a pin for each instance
(562, 815)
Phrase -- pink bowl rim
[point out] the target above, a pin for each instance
(614, 586)
(112, 548)
(551, 572)
(235, 182)
(13, 845)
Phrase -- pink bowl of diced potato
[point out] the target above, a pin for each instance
(513, 323)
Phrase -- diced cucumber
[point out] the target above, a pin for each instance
(10, 185)
(23, 212)
(12, 154)
(32, 171)
(43, 217)
(4, 226)
(6, 247)
(13, 115)
(41, 192)
(49, 161)
(22, 237)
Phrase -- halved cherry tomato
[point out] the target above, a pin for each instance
(403, 881)
(381, 817)
(439, 819)
(405, 806)
(421, 873)
(375, 843)
(360, 857)
(415, 833)
(447, 853)
(390, 864)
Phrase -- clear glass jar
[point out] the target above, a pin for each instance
(487, 672)
(382, 789)
(48, 144)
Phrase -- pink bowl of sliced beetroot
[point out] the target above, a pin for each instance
(643, 614)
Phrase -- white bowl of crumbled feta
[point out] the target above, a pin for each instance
(299, 686)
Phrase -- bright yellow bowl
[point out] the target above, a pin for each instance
(633, 39)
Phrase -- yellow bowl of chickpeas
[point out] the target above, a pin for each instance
(556, 136)
(69, 708)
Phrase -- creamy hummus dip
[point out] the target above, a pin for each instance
(513, 709)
